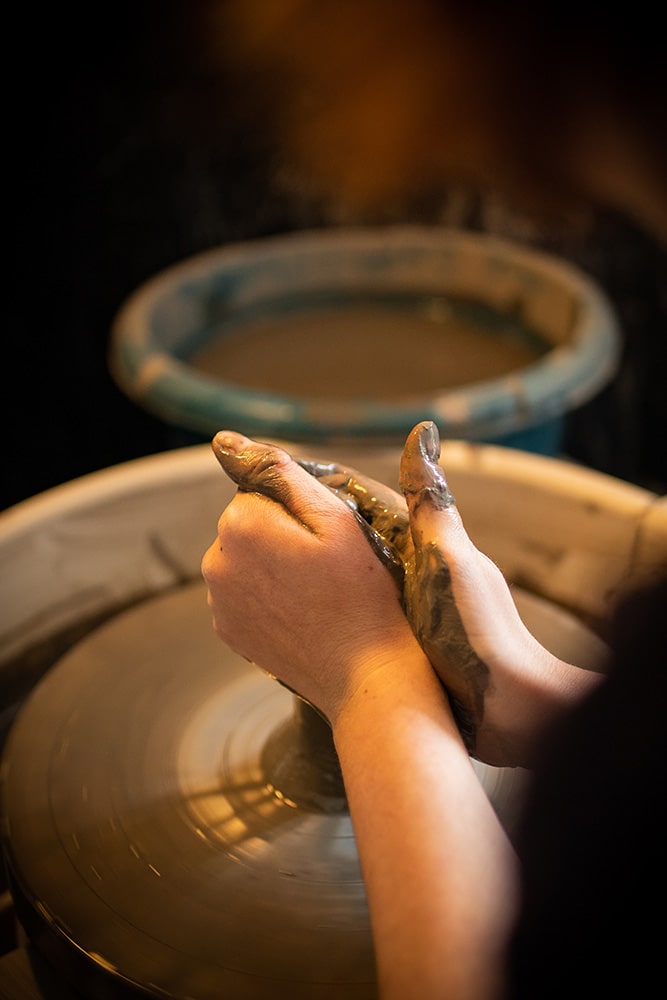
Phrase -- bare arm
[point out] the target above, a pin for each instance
(439, 871)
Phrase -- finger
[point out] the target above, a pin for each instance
(441, 544)
(377, 504)
(368, 494)
(421, 477)
(380, 512)
(257, 467)
(431, 503)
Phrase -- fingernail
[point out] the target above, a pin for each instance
(429, 440)
(227, 442)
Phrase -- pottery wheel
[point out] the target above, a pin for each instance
(175, 824)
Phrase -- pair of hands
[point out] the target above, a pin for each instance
(295, 587)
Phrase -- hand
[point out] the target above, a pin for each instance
(503, 685)
(294, 586)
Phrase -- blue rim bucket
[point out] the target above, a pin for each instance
(513, 291)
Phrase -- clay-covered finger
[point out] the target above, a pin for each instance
(380, 512)
(381, 507)
(430, 604)
(421, 477)
(268, 469)
(433, 513)
(258, 467)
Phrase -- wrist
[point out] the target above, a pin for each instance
(393, 693)
(524, 700)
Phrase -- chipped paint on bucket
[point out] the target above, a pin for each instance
(173, 340)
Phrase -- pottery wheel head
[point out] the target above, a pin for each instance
(175, 821)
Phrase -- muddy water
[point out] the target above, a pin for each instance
(362, 351)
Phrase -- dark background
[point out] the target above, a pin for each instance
(128, 152)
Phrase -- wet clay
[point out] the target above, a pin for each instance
(363, 352)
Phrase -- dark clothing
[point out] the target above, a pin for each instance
(592, 842)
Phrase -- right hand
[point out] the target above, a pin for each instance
(293, 584)
(503, 685)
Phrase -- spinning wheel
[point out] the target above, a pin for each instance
(175, 822)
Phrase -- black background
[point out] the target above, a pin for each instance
(127, 152)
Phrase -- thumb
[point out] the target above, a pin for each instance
(421, 477)
(433, 513)
(257, 467)
(441, 547)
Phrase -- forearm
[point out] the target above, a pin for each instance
(439, 870)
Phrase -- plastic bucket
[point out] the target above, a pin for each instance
(355, 335)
